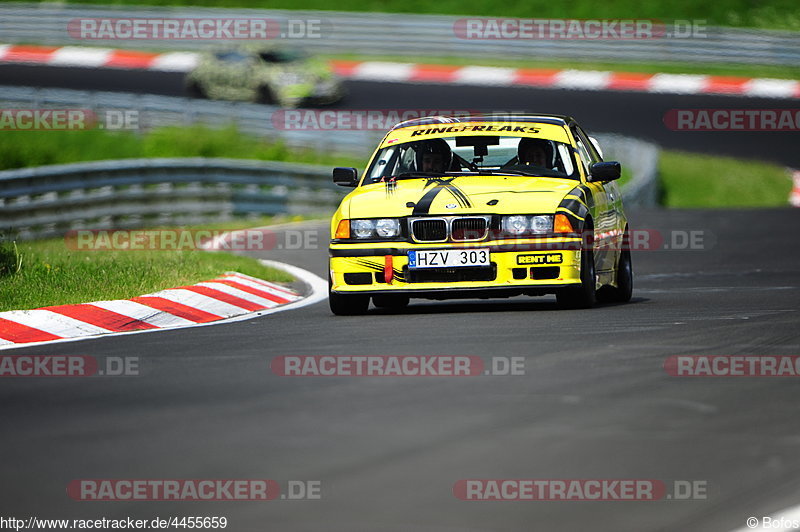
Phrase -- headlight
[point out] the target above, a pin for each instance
(519, 224)
(387, 227)
(362, 228)
(515, 225)
(541, 224)
(381, 228)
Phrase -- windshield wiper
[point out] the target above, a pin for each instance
(412, 175)
(511, 172)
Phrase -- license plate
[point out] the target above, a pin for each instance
(448, 258)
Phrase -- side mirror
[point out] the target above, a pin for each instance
(345, 177)
(605, 171)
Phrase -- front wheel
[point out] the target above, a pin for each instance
(347, 304)
(264, 95)
(196, 90)
(624, 290)
(585, 294)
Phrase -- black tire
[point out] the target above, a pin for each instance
(195, 90)
(347, 304)
(585, 294)
(265, 95)
(624, 290)
(390, 301)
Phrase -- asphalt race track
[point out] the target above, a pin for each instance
(628, 113)
(594, 402)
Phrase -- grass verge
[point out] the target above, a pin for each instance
(690, 180)
(52, 274)
(20, 149)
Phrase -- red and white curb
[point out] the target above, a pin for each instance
(423, 73)
(80, 56)
(232, 297)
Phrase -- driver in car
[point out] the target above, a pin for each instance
(434, 156)
(536, 152)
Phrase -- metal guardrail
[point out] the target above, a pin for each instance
(641, 158)
(407, 34)
(48, 201)
(156, 111)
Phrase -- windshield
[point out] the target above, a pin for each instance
(283, 55)
(473, 154)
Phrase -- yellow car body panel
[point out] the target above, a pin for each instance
(533, 265)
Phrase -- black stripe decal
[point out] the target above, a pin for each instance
(423, 206)
(575, 207)
(588, 197)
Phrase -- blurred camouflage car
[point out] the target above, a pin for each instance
(266, 74)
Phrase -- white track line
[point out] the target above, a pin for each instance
(317, 291)
(317, 285)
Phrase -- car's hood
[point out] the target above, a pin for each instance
(458, 195)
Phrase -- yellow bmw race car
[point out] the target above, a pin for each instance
(480, 207)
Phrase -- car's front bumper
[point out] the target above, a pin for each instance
(532, 267)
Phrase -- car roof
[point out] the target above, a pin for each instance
(542, 118)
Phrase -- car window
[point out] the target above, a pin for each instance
(282, 56)
(583, 153)
(587, 144)
(269, 57)
(232, 56)
(478, 154)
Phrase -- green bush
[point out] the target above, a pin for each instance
(19, 149)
